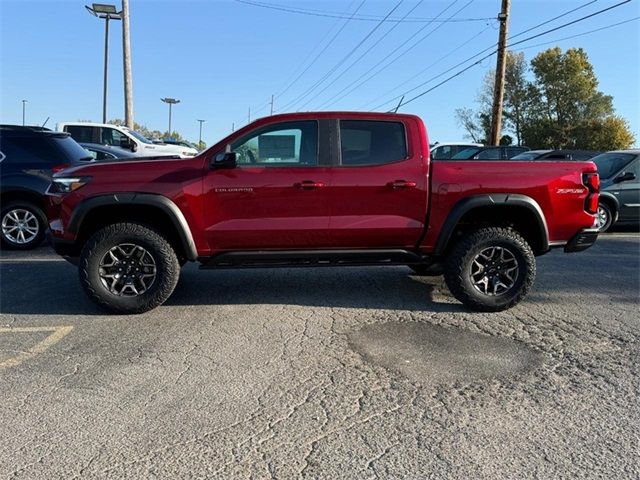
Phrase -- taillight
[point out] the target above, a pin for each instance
(592, 182)
(59, 168)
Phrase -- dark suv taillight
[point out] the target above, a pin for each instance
(592, 182)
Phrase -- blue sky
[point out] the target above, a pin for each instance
(222, 57)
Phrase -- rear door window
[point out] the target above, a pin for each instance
(32, 149)
(81, 133)
(489, 154)
(371, 142)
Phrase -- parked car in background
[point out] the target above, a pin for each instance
(446, 150)
(173, 141)
(580, 155)
(123, 137)
(489, 153)
(107, 152)
(29, 156)
(619, 188)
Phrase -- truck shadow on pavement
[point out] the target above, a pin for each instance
(51, 287)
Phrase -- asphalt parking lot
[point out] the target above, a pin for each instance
(323, 373)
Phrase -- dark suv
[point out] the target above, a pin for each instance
(28, 158)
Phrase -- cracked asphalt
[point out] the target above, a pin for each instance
(323, 373)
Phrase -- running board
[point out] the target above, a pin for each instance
(313, 258)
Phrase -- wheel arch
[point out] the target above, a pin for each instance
(149, 209)
(518, 211)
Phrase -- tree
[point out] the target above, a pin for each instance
(568, 110)
(561, 107)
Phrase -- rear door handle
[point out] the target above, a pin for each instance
(402, 184)
(308, 185)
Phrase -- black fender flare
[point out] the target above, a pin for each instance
(488, 200)
(149, 199)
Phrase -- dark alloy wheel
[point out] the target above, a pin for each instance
(23, 225)
(604, 217)
(128, 268)
(491, 269)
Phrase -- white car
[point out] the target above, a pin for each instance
(119, 136)
(446, 150)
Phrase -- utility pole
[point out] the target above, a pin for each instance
(24, 102)
(200, 138)
(233, 127)
(501, 66)
(126, 58)
(171, 102)
(272, 104)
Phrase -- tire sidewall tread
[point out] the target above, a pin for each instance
(458, 265)
(167, 266)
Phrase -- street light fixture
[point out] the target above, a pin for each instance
(106, 12)
(200, 139)
(170, 101)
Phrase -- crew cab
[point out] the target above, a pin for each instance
(320, 189)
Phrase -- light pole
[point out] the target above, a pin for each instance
(170, 101)
(200, 138)
(107, 12)
(24, 102)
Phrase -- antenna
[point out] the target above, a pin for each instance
(45, 122)
(399, 104)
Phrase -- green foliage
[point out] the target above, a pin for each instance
(561, 107)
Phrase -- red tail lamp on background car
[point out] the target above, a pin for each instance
(592, 182)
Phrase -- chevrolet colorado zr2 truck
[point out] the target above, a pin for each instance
(320, 189)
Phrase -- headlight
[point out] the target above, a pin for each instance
(68, 184)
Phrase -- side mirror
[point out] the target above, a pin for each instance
(224, 160)
(624, 176)
(128, 144)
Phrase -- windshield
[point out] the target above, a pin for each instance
(611, 163)
(528, 155)
(139, 136)
(466, 154)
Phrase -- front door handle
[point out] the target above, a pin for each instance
(402, 184)
(308, 185)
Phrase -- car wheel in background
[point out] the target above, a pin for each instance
(23, 225)
(604, 218)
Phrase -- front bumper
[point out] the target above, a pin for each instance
(582, 240)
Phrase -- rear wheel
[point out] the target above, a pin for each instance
(23, 225)
(128, 268)
(491, 269)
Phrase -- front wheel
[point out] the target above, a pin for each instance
(23, 225)
(128, 268)
(491, 269)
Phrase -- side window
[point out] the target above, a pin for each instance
(635, 169)
(81, 134)
(31, 150)
(489, 154)
(111, 136)
(443, 153)
(287, 144)
(372, 143)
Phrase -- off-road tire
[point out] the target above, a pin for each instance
(459, 263)
(166, 261)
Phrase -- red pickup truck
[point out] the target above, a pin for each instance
(320, 189)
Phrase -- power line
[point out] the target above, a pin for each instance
(361, 17)
(493, 46)
(581, 34)
(344, 59)
(377, 42)
(358, 83)
(599, 12)
(333, 38)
